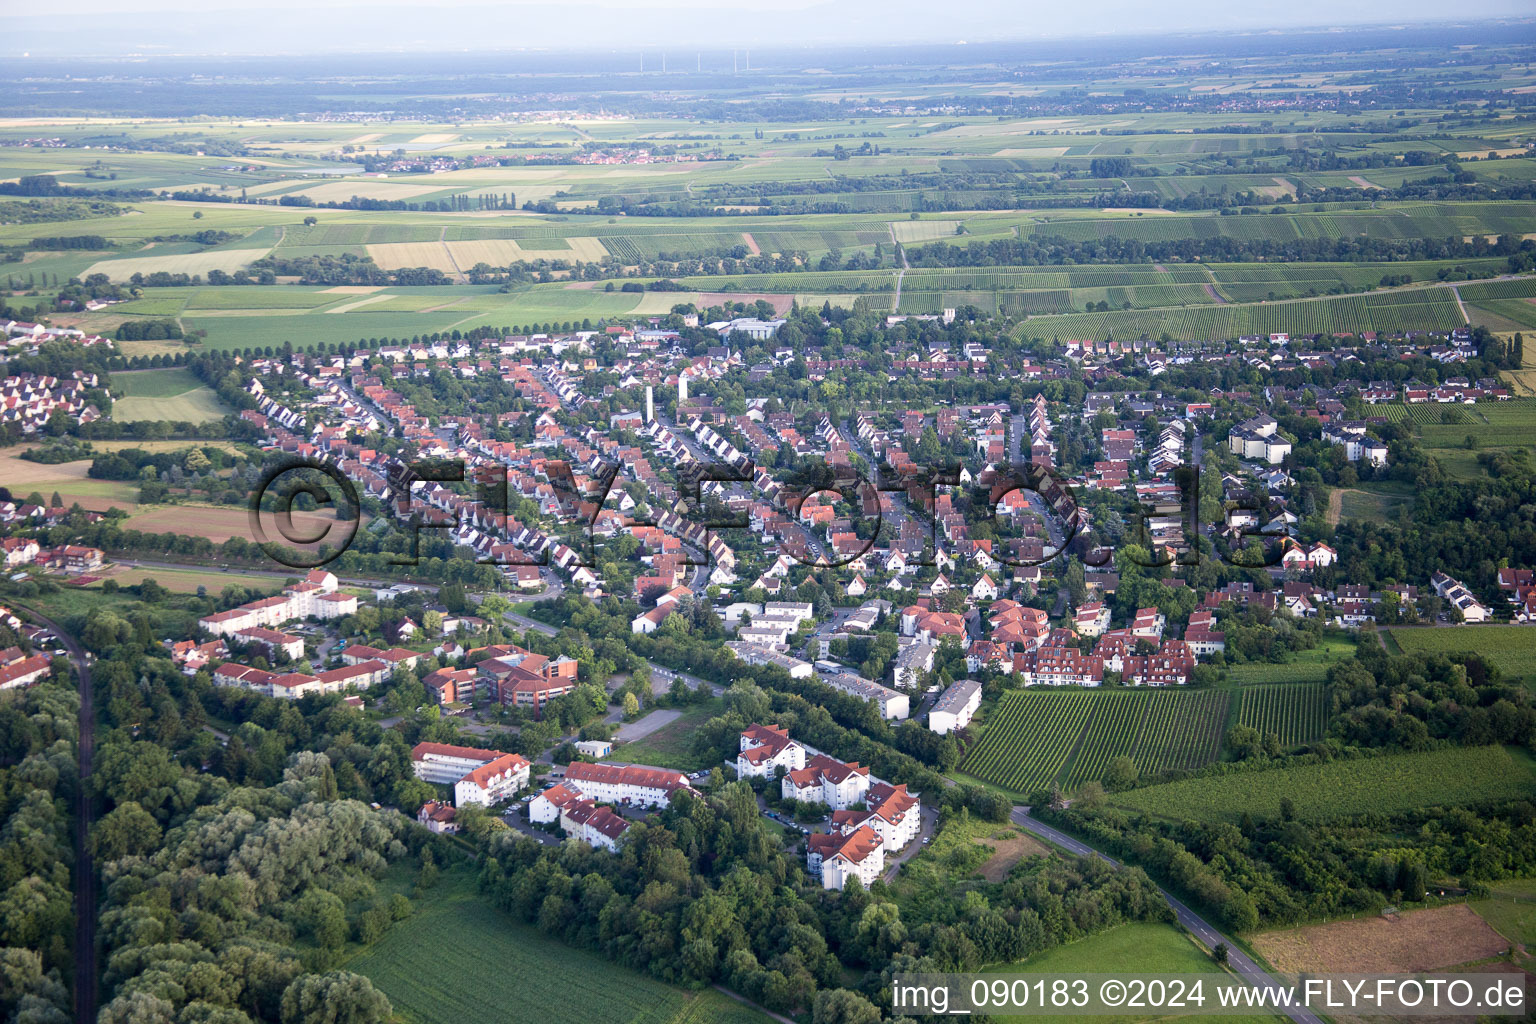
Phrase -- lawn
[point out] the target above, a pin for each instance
(670, 746)
(519, 973)
(1126, 950)
(1511, 648)
(1385, 785)
(1376, 501)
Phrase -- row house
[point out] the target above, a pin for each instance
(1458, 596)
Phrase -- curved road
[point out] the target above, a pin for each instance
(85, 814)
(1236, 958)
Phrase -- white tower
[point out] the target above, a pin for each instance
(650, 405)
(682, 387)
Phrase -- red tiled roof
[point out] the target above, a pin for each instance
(421, 750)
(628, 775)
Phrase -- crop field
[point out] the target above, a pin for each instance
(1297, 712)
(219, 523)
(1511, 648)
(1034, 738)
(1491, 425)
(1432, 939)
(186, 581)
(228, 260)
(1420, 309)
(1387, 784)
(170, 394)
(523, 974)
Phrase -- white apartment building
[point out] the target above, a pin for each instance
(766, 748)
(826, 780)
(633, 784)
(892, 704)
(837, 857)
(478, 776)
(955, 706)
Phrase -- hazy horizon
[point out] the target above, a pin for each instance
(96, 28)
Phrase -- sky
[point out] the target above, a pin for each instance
(104, 27)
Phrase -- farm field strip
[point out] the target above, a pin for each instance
(1295, 712)
(1385, 784)
(1035, 738)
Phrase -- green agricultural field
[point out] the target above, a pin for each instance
(1296, 712)
(1137, 948)
(1511, 648)
(1034, 738)
(1376, 501)
(521, 974)
(1305, 666)
(1490, 425)
(1511, 910)
(1387, 784)
(169, 394)
(164, 383)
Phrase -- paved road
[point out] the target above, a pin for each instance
(85, 816)
(1236, 958)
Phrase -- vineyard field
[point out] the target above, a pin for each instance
(1386, 784)
(1296, 713)
(1034, 739)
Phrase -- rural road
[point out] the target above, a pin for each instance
(85, 814)
(1236, 958)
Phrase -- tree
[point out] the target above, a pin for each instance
(1120, 773)
(127, 830)
(1219, 954)
(843, 1006)
(631, 705)
(339, 997)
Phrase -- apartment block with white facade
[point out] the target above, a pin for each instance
(632, 784)
(478, 776)
(836, 857)
(766, 748)
(955, 706)
(826, 780)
